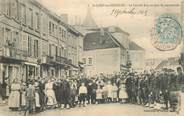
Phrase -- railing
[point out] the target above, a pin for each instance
(61, 60)
(13, 52)
(49, 59)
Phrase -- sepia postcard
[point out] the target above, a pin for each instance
(91, 57)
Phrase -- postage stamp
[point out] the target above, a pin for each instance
(167, 32)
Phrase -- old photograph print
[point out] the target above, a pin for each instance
(91, 57)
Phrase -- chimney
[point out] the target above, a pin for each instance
(64, 18)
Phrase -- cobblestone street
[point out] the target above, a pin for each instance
(95, 110)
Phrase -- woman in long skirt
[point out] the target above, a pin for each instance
(180, 108)
(51, 98)
(14, 98)
(37, 97)
(122, 93)
(23, 96)
(109, 91)
(115, 92)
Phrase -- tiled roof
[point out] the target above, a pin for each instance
(97, 40)
(134, 46)
(109, 29)
(168, 62)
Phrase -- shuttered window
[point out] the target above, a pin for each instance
(30, 18)
(29, 46)
(50, 49)
(15, 37)
(50, 27)
(2, 36)
(23, 13)
(37, 20)
(6, 7)
(35, 48)
(44, 48)
(14, 9)
(8, 37)
(25, 42)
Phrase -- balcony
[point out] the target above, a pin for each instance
(14, 53)
(61, 60)
(47, 60)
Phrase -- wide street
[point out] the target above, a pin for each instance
(95, 110)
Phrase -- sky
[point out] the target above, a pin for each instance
(138, 26)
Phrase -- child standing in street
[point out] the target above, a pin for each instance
(99, 92)
(82, 94)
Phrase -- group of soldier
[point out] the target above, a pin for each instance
(151, 89)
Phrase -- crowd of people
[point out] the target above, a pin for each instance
(158, 90)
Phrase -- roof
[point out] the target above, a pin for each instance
(168, 62)
(56, 17)
(134, 46)
(111, 29)
(97, 40)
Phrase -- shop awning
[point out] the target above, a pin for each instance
(31, 64)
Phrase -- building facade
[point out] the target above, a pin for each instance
(103, 53)
(137, 57)
(35, 42)
(152, 63)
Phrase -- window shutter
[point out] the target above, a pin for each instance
(5, 7)
(14, 9)
(32, 47)
(25, 42)
(2, 36)
(53, 50)
(39, 49)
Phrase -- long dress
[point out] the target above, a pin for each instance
(99, 94)
(23, 98)
(50, 94)
(109, 91)
(122, 92)
(181, 112)
(115, 91)
(14, 98)
(37, 99)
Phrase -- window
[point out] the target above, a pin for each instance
(50, 49)
(30, 18)
(8, 36)
(84, 60)
(37, 21)
(23, 13)
(35, 48)
(6, 7)
(57, 51)
(62, 51)
(53, 30)
(29, 46)
(90, 62)
(14, 9)
(50, 27)
(15, 39)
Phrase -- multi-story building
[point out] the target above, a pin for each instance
(137, 57)
(103, 53)
(35, 42)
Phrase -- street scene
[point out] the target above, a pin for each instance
(67, 57)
